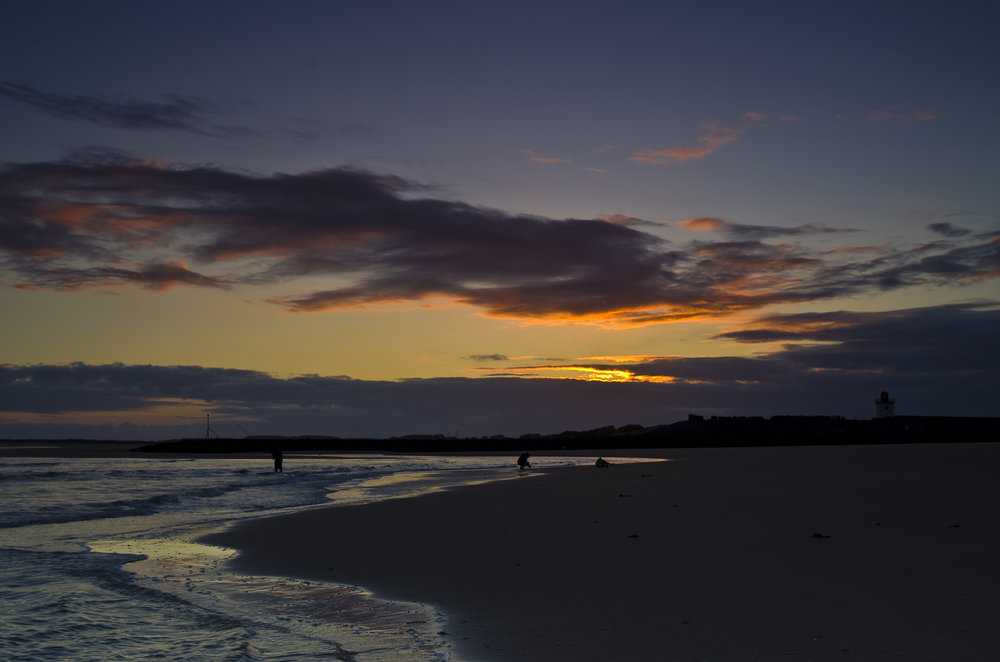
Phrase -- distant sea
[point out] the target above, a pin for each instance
(98, 559)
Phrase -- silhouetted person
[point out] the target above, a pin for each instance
(522, 461)
(276, 455)
(601, 462)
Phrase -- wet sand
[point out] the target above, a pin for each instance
(804, 553)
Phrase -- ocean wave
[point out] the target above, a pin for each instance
(27, 476)
(84, 512)
(89, 607)
(83, 606)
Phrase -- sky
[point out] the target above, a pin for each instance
(381, 218)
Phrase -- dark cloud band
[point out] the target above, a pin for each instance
(102, 219)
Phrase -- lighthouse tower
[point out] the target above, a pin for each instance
(885, 406)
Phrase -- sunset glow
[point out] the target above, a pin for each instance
(357, 221)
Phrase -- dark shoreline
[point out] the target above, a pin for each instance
(696, 432)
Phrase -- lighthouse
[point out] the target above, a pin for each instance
(885, 406)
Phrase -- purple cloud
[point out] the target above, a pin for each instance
(102, 219)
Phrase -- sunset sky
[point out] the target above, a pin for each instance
(378, 218)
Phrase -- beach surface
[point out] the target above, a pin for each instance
(795, 553)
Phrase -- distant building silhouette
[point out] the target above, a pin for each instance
(885, 407)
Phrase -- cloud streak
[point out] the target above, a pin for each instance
(548, 160)
(174, 113)
(897, 115)
(157, 277)
(104, 220)
(710, 224)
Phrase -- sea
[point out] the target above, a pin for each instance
(99, 558)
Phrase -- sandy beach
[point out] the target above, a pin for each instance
(803, 553)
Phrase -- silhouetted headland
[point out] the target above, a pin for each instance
(697, 431)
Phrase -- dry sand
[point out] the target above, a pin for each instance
(805, 553)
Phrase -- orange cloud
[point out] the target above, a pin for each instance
(538, 158)
(590, 373)
(703, 224)
(624, 358)
(716, 136)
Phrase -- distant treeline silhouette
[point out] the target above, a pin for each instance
(694, 432)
